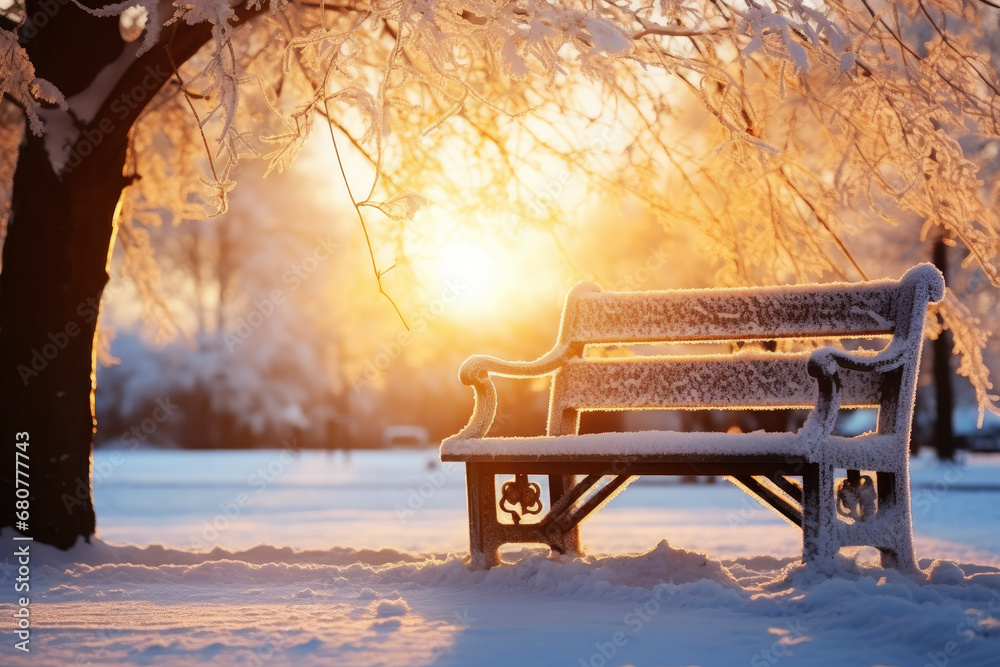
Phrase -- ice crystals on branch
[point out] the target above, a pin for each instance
(608, 37)
(222, 69)
(273, 5)
(218, 196)
(969, 340)
(891, 126)
(403, 206)
(365, 104)
(42, 89)
(18, 80)
(782, 37)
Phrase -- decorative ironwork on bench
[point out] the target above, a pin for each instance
(519, 491)
(856, 496)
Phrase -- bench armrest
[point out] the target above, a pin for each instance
(476, 372)
(825, 364)
(927, 284)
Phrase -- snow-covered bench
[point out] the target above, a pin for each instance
(869, 506)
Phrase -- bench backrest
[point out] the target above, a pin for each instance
(751, 379)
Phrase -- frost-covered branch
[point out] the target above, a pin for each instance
(779, 130)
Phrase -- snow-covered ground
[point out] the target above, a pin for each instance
(313, 558)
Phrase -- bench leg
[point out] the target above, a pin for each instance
(820, 542)
(564, 541)
(893, 496)
(484, 539)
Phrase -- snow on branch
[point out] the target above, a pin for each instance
(969, 340)
(18, 81)
(812, 119)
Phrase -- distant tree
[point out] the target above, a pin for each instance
(777, 129)
(242, 333)
(944, 395)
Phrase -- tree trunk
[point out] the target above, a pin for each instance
(944, 434)
(54, 271)
(55, 258)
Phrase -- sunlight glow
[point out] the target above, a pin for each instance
(470, 267)
(470, 276)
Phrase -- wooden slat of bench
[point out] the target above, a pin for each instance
(747, 380)
(835, 311)
(640, 466)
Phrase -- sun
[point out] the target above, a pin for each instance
(469, 273)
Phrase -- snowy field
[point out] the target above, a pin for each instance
(313, 558)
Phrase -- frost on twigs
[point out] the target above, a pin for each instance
(969, 341)
(772, 34)
(18, 80)
(403, 206)
(219, 194)
(776, 131)
(272, 4)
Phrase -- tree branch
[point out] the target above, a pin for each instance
(177, 47)
(653, 29)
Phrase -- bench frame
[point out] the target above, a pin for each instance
(876, 508)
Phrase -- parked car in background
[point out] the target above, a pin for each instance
(404, 435)
(985, 439)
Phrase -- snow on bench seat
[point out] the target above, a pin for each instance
(623, 446)
(666, 446)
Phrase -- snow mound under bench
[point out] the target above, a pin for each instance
(125, 604)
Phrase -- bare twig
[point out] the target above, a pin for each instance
(361, 218)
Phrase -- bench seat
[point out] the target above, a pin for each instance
(861, 452)
(622, 446)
